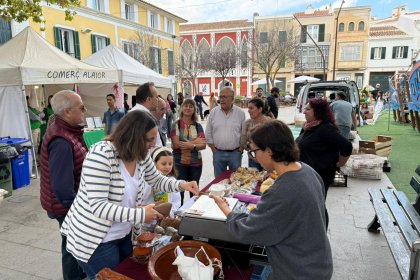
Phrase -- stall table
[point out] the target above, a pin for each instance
(93, 136)
(138, 271)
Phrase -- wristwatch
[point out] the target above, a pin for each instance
(195, 148)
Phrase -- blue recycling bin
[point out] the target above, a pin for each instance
(20, 164)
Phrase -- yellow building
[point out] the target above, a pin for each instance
(142, 30)
(352, 44)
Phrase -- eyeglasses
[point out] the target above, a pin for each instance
(252, 153)
(224, 97)
(81, 108)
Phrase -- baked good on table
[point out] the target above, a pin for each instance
(108, 274)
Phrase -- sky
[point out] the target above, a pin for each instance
(196, 11)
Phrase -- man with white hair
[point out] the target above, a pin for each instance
(62, 154)
(160, 121)
(223, 133)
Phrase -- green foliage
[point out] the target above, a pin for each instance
(237, 99)
(404, 157)
(21, 10)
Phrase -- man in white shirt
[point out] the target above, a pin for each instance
(223, 133)
(147, 100)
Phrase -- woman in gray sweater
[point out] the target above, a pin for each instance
(290, 218)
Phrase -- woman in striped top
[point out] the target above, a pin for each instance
(108, 205)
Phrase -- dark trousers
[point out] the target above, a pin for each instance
(328, 178)
(71, 269)
(200, 111)
(188, 173)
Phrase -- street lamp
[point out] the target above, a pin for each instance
(336, 39)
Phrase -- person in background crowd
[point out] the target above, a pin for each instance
(199, 100)
(212, 101)
(271, 102)
(170, 112)
(257, 117)
(126, 107)
(62, 154)
(147, 100)
(160, 120)
(374, 93)
(223, 133)
(35, 118)
(180, 99)
(290, 218)
(344, 114)
(321, 145)
(48, 111)
(259, 93)
(332, 98)
(109, 204)
(188, 139)
(112, 116)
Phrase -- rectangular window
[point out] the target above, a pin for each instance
(310, 57)
(312, 30)
(263, 37)
(99, 5)
(154, 21)
(400, 52)
(131, 49)
(99, 42)
(155, 60)
(67, 41)
(350, 53)
(171, 64)
(282, 37)
(129, 11)
(170, 28)
(378, 53)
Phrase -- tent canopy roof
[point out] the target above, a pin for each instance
(28, 59)
(132, 71)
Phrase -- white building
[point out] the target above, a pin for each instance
(393, 44)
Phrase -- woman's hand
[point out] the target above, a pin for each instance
(190, 186)
(186, 145)
(151, 214)
(222, 203)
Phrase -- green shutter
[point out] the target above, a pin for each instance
(372, 53)
(394, 52)
(160, 61)
(303, 34)
(107, 41)
(76, 44)
(282, 36)
(152, 59)
(93, 40)
(405, 54)
(321, 34)
(57, 37)
(383, 53)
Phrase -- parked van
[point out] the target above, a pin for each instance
(325, 90)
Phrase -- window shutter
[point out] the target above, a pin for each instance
(372, 53)
(107, 41)
(152, 59)
(282, 36)
(303, 34)
(383, 53)
(394, 52)
(160, 60)
(57, 37)
(405, 55)
(93, 39)
(321, 35)
(76, 44)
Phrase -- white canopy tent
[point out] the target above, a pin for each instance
(264, 81)
(27, 60)
(131, 72)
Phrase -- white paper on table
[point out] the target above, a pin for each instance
(98, 122)
(205, 207)
(90, 123)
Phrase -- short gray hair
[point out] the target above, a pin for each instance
(62, 100)
(229, 89)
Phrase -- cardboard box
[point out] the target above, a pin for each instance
(381, 146)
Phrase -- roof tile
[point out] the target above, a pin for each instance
(215, 25)
(382, 31)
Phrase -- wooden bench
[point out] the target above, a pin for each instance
(400, 223)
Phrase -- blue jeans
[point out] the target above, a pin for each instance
(70, 267)
(109, 254)
(344, 130)
(188, 173)
(223, 160)
(255, 164)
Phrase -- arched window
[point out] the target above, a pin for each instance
(186, 55)
(203, 53)
(341, 27)
(361, 26)
(351, 26)
(244, 54)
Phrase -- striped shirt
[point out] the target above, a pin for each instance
(97, 204)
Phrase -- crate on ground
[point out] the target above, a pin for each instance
(260, 272)
(19, 164)
(381, 145)
(365, 166)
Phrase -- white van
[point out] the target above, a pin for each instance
(324, 90)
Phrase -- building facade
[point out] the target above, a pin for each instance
(202, 38)
(142, 30)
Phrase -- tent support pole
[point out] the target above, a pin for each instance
(30, 133)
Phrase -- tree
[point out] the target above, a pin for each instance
(223, 58)
(147, 53)
(21, 10)
(274, 47)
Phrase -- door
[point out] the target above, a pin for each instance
(380, 78)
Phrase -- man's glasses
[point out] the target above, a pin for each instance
(81, 108)
(252, 153)
(224, 97)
